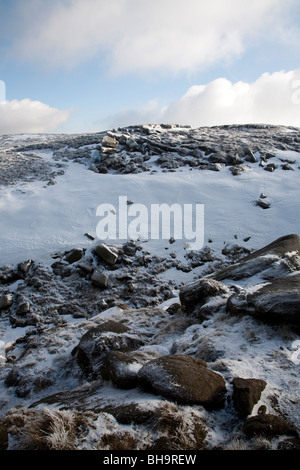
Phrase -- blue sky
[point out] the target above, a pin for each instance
(90, 65)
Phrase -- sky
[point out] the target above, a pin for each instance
(73, 66)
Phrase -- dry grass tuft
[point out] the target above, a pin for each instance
(46, 429)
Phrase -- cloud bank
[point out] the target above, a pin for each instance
(271, 99)
(138, 36)
(27, 116)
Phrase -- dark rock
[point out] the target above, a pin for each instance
(121, 369)
(185, 380)
(74, 255)
(99, 279)
(246, 393)
(106, 254)
(268, 425)
(263, 204)
(6, 301)
(99, 340)
(261, 259)
(275, 302)
(197, 293)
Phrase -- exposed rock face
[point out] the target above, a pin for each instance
(260, 260)
(184, 379)
(246, 393)
(277, 301)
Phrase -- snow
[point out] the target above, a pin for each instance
(38, 220)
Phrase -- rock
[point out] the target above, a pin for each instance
(267, 425)
(109, 142)
(250, 157)
(286, 166)
(246, 393)
(185, 380)
(23, 308)
(275, 302)
(106, 254)
(198, 293)
(263, 204)
(6, 301)
(98, 341)
(99, 279)
(270, 167)
(25, 266)
(121, 369)
(261, 259)
(74, 255)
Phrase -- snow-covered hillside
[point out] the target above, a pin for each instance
(247, 178)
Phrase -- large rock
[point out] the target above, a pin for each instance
(268, 425)
(275, 302)
(185, 380)
(261, 259)
(246, 393)
(197, 293)
(98, 341)
(121, 369)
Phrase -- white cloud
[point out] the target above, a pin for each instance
(271, 99)
(134, 35)
(26, 116)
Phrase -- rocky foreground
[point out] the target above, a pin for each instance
(110, 376)
(103, 350)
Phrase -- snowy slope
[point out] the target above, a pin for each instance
(39, 219)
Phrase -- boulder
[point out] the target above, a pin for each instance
(246, 393)
(106, 254)
(98, 341)
(277, 301)
(198, 293)
(99, 279)
(121, 369)
(74, 255)
(185, 380)
(261, 259)
(268, 425)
